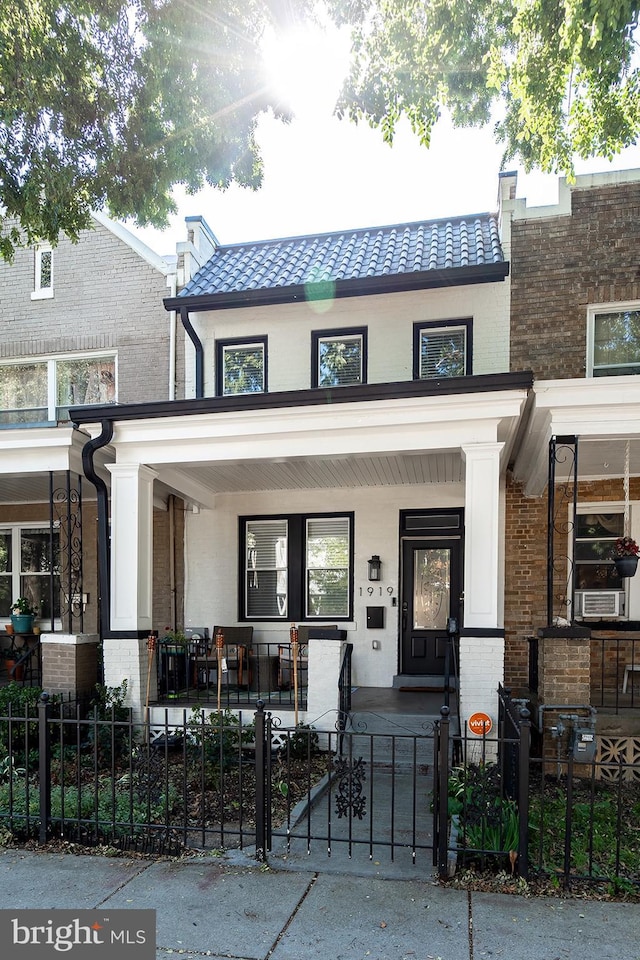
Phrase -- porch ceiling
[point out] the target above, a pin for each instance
(604, 414)
(316, 473)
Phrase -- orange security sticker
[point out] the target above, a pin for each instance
(480, 723)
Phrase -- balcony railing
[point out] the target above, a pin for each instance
(241, 676)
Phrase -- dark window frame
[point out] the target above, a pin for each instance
(336, 334)
(466, 322)
(296, 565)
(240, 342)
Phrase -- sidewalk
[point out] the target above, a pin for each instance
(232, 908)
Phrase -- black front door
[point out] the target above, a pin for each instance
(431, 582)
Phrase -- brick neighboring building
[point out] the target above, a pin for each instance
(575, 322)
(83, 323)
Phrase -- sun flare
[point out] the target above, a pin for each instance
(306, 66)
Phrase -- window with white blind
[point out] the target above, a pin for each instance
(442, 350)
(339, 357)
(297, 567)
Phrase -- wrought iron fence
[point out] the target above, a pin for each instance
(238, 780)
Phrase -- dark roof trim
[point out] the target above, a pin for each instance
(334, 290)
(484, 383)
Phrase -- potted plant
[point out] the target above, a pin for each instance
(625, 556)
(23, 614)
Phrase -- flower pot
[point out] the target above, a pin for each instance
(22, 622)
(626, 566)
(18, 672)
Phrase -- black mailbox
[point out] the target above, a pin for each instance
(375, 618)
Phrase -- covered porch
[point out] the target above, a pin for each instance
(371, 454)
(581, 456)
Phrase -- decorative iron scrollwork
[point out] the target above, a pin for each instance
(350, 799)
(66, 517)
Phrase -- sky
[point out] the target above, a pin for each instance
(323, 174)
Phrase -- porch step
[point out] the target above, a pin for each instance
(426, 682)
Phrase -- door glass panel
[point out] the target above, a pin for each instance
(431, 588)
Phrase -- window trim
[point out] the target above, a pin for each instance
(594, 310)
(40, 292)
(16, 529)
(296, 566)
(465, 323)
(338, 333)
(52, 381)
(221, 345)
(605, 506)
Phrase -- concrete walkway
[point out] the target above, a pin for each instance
(233, 908)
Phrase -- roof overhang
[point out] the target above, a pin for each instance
(201, 448)
(603, 413)
(334, 290)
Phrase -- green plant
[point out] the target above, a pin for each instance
(23, 607)
(217, 737)
(108, 725)
(489, 822)
(302, 743)
(175, 638)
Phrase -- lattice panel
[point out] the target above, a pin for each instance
(611, 752)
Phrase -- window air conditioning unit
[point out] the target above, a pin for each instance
(601, 603)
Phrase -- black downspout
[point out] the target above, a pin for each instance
(104, 551)
(197, 343)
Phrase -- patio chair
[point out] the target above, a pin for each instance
(285, 659)
(237, 641)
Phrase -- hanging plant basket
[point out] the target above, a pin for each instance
(626, 566)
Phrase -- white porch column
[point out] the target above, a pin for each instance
(131, 546)
(482, 636)
(126, 656)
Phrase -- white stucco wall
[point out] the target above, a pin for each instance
(389, 319)
(212, 562)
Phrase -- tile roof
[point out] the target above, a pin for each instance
(350, 255)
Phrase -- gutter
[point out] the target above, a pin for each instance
(104, 552)
(336, 289)
(197, 343)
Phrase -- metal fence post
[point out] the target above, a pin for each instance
(44, 765)
(523, 794)
(260, 781)
(443, 794)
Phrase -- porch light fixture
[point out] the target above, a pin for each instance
(375, 567)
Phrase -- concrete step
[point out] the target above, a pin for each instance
(429, 682)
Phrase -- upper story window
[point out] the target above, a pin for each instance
(613, 339)
(43, 272)
(338, 357)
(38, 391)
(241, 366)
(297, 567)
(442, 349)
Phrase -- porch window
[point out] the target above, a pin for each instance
(28, 555)
(339, 357)
(297, 567)
(43, 390)
(241, 366)
(43, 273)
(614, 341)
(441, 350)
(594, 570)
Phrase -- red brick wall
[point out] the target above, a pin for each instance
(559, 265)
(526, 567)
